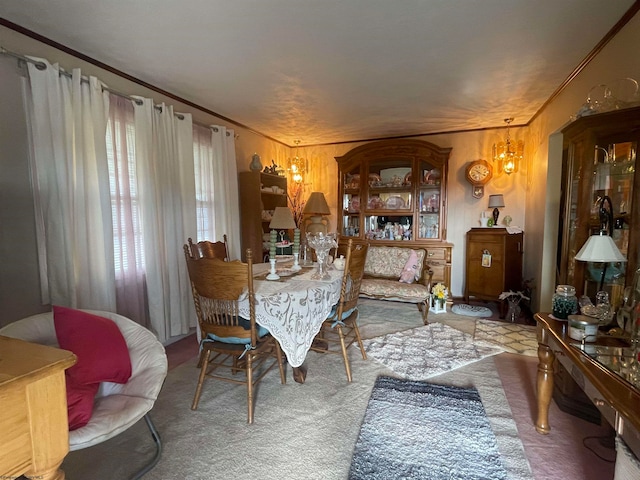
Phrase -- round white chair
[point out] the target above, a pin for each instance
(117, 406)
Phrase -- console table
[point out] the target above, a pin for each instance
(33, 402)
(603, 369)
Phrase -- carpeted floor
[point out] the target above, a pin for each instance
(300, 432)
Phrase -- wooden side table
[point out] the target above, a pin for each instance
(33, 402)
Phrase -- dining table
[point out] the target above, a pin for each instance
(293, 308)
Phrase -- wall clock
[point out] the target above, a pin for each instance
(478, 173)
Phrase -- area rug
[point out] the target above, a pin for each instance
(511, 337)
(417, 430)
(423, 352)
(471, 310)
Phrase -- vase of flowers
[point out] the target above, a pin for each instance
(439, 295)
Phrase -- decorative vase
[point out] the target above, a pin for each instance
(256, 164)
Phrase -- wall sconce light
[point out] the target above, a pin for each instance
(298, 166)
(508, 154)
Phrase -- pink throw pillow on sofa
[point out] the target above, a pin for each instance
(410, 269)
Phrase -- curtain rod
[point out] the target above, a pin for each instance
(43, 66)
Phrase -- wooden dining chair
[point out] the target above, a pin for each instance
(207, 249)
(231, 344)
(340, 329)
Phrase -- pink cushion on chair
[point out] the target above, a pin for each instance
(102, 352)
(410, 269)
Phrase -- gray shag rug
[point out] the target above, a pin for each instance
(421, 431)
(424, 352)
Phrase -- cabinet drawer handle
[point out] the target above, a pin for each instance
(598, 402)
(430, 254)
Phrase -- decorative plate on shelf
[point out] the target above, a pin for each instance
(354, 204)
(394, 203)
(407, 179)
(376, 203)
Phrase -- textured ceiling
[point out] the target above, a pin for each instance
(326, 71)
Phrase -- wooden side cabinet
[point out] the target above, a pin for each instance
(493, 264)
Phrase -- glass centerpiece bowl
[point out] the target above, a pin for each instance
(321, 243)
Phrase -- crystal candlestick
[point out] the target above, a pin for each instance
(296, 266)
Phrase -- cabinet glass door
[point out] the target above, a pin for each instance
(429, 201)
(351, 207)
(389, 205)
(613, 174)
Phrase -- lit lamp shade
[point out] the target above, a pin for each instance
(282, 219)
(495, 202)
(315, 207)
(600, 248)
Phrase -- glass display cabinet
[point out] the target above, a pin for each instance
(599, 162)
(395, 191)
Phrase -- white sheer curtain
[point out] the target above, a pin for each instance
(129, 261)
(164, 153)
(226, 212)
(71, 185)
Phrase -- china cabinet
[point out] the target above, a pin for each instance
(260, 194)
(394, 192)
(599, 161)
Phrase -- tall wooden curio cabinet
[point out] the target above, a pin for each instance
(394, 192)
(599, 160)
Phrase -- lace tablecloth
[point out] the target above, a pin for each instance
(293, 308)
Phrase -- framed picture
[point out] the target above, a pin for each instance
(486, 259)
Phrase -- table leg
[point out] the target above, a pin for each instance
(53, 473)
(300, 373)
(545, 387)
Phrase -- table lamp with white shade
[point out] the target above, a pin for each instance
(495, 202)
(282, 220)
(601, 248)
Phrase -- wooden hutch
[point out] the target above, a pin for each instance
(394, 192)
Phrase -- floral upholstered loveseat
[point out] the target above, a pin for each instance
(382, 271)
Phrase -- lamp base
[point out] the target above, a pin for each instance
(496, 214)
(316, 224)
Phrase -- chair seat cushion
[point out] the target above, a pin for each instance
(333, 315)
(393, 290)
(246, 324)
